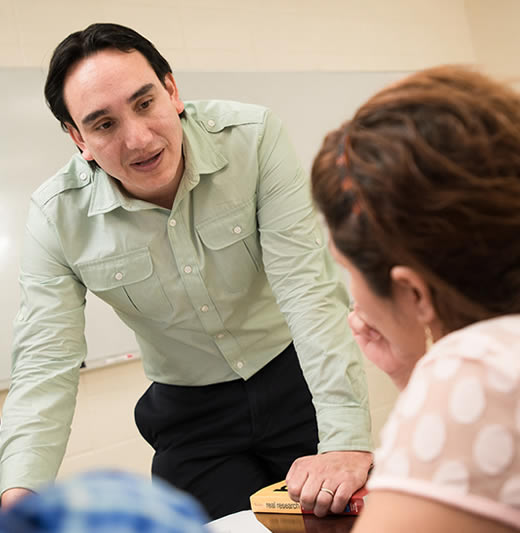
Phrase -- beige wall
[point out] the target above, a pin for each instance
(254, 35)
(495, 32)
(273, 35)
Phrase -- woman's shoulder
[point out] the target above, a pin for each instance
(488, 348)
(454, 434)
(479, 340)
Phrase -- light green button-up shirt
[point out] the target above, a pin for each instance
(214, 289)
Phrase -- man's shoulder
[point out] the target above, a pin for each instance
(76, 174)
(215, 115)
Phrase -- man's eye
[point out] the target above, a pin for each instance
(146, 104)
(104, 125)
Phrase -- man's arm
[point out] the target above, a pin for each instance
(48, 349)
(308, 289)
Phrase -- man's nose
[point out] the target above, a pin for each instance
(137, 135)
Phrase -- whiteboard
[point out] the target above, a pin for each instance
(33, 147)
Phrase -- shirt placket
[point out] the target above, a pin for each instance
(183, 250)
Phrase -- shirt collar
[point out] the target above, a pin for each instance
(204, 157)
(107, 196)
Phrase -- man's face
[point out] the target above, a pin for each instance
(128, 122)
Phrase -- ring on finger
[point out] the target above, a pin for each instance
(328, 491)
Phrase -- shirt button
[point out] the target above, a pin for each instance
(118, 276)
(237, 230)
(211, 123)
(318, 241)
(204, 308)
(172, 222)
(220, 335)
(83, 176)
(187, 269)
(240, 364)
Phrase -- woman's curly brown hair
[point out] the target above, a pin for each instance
(427, 174)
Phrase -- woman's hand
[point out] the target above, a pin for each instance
(377, 348)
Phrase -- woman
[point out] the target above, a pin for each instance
(421, 192)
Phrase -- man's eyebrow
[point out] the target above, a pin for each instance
(91, 117)
(140, 92)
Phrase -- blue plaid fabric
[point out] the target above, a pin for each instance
(105, 502)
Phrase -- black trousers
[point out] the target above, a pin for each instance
(223, 442)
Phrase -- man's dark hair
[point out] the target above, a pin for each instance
(81, 44)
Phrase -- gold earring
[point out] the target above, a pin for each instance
(428, 337)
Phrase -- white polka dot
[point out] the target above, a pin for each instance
(506, 364)
(379, 456)
(388, 437)
(510, 492)
(467, 400)
(428, 437)
(511, 325)
(450, 341)
(453, 474)
(493, 449)
(414, 397)
(446, 367)
(500, 381)
(475, 346)
(397, 464)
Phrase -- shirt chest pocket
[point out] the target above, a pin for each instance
(232, 248)
(129, 283)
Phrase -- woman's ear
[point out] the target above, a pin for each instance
(80, 143)
(412, 291)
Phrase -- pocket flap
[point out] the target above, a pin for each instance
(116, 271)
(229, 228)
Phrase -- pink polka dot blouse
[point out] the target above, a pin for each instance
(454, 434)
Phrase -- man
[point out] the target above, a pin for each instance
(195, 223)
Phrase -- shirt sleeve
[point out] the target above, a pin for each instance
(49, 346)
(454, 434)
(308, 289)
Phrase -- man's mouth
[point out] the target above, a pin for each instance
(148, 161)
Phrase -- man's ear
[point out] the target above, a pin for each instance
(171, 87)
(80, 143)
(411, 290)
